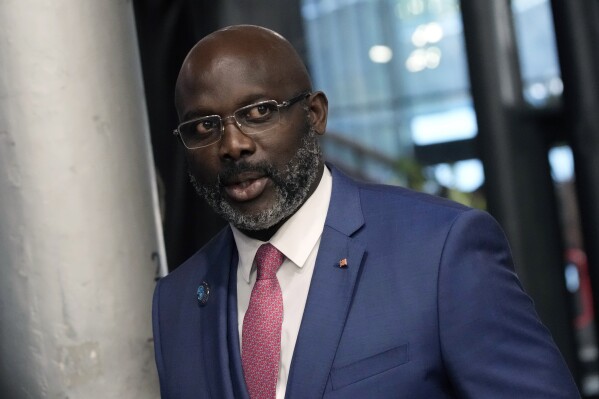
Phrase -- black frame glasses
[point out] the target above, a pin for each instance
(250, 119)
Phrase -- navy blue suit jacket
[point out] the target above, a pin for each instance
(429, 306)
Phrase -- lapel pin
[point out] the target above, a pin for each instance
(203, 293)
(343, 263)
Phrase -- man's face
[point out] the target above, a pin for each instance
(254, 181)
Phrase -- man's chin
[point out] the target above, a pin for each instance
(250, 216)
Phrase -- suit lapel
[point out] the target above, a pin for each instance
(330, 294)
(214, 320)
(239, 387)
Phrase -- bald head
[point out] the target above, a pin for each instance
(246, 54)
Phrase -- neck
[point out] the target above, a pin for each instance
(266, 234)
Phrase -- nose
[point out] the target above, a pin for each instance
(234, 144)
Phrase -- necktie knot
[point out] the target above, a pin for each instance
(268, 261)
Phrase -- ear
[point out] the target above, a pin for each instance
(318, 108)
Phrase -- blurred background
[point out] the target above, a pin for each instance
(489, 103)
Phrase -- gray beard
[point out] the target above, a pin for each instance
(292, 186)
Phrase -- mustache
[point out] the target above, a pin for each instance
(233, 170)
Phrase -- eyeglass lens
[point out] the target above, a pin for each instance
(251, 119)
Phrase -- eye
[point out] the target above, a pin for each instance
(206, 125)
(259, 113)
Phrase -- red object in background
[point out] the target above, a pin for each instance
(578, 258)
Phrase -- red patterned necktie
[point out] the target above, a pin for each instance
(261, 333)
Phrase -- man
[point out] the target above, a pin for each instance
(382, 292)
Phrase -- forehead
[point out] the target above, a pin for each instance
(221, 75)
(225, 80)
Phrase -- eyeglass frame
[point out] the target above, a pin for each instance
(284, 104)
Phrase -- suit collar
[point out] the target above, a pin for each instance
(345, 210)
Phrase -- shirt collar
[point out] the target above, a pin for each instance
(297, 236)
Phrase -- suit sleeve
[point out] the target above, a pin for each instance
(493, 343)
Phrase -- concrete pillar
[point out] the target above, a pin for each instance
(80, 239)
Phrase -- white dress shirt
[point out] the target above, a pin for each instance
(298, 239)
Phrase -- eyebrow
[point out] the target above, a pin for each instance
(194, 114)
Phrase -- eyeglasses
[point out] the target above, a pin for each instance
(251, 119)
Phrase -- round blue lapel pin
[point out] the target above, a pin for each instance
(203, 293)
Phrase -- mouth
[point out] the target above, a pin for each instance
(245, 186)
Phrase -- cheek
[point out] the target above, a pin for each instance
(281, 146)
(202, 165)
